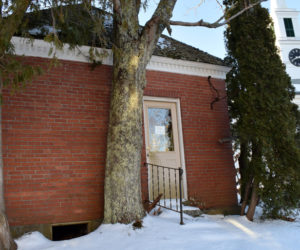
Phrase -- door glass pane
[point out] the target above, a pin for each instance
(160, 130)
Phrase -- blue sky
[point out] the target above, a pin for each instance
(208, 40)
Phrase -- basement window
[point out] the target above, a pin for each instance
(289, 28)
(69, 231)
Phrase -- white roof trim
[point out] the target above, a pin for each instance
(40, 48)
(295, 81)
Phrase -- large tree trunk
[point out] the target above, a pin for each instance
(6, 241)
(124, 145)
(132, 51)
(122, 199)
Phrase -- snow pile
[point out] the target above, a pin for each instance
(163, 43)
(44, 30)
(164, 232)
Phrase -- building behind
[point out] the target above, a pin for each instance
(287, 30)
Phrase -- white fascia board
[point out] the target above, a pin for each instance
(289, 41)
(40, 48)
(287, 10)
(158, 63)
(295, 81)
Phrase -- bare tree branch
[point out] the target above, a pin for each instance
(155, 26)
(200, 23)
(53, 22)
(220, 5)
(117, 5)
(217, 23)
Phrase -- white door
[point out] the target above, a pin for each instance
(162, 148)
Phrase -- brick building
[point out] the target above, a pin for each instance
(54, 135)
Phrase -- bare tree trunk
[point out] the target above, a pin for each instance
(246, 178)
(123, 202)
(6, 241)
(256, 160)
(123, 199)
(246, 196)
(253, 202)
(132, 51)
(243, 164)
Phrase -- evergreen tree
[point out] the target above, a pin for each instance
(262, 114)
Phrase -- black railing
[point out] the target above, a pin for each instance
(167, 182)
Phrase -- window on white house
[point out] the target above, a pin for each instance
(289, 28)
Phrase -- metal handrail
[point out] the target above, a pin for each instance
(157, 186)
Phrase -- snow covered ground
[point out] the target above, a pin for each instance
(164, 232)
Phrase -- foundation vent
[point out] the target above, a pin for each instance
(69, 231)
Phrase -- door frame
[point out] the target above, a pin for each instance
(180, 134)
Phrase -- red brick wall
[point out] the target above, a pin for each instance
(209, 164)
(54, 142)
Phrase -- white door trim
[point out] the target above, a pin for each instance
(180, 134)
